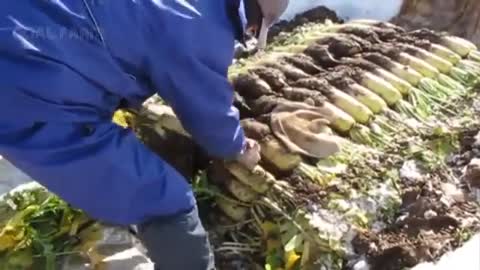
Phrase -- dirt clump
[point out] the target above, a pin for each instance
(307, 192)
(291, 72)
(322, 56)
(460, 17)
(250, 85)
(273, 77)
(305, 63)
(341, 46)
(432, 216)
(317, 15)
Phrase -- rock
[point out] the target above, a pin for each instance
(472, 173)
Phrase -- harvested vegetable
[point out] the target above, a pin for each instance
(259, 180)
(381, 87)
(348, 104)
(271, 149)
(37, 228)
(234, 211)
(368, 98)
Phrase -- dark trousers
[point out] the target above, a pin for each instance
(177, 243)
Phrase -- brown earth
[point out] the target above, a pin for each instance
(459, 17)
(435, 217)
(317, 15)
(280, 30)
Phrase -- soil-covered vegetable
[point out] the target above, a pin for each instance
(393, 202)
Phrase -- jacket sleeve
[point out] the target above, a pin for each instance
(188, 68)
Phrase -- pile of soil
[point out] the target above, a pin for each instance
(436, 216)
(316, 15)
(423, 231)
(459, 17)
(281, 29)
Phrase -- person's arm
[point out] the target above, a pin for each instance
(188, 63)
(202, 100)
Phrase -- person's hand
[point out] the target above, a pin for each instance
(250, 155)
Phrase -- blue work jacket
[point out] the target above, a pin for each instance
(67, 63)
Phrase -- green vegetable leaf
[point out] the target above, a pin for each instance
(294, 243)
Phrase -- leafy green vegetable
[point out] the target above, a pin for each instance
(36, 227)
